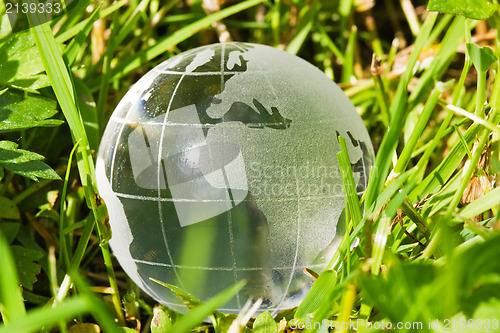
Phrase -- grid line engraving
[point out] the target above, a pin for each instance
(225, 269)
(159, 174)
(298, 208)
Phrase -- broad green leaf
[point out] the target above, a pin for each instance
(482, 57)
(265, 323)
(477, 270)
(161, 321)
(5, 27)
(9, 230)
(11, 300)
(19, 111)
(484, 320)
(474, 9)
(27, 268)
(24, 163)
(9, 209)
(20, 62)
(409, 287)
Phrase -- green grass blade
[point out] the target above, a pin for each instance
(329, 43)
(63, 88)
(453, 38)
(483, 204)
(97, 307)
(180, 35)
(351, 194)
(383, 228)
(467, 174)
(46, 317)
(424, 117)
(462, 141)
(130, 23)
(66, 35)
(11, 299)
(446, 168)
(197, 314)
(318, 294)
(303, 30)
(391, 139)
(64, 248)
(348, 63)
(76, 43)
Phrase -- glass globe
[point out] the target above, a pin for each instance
(220, 165)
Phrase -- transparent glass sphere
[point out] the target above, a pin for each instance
(220, 165)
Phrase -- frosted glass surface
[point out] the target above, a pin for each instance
(220, 165)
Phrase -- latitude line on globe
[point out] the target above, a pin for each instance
(125, 121)
(196, 73)
(140, 197)
(207, 268)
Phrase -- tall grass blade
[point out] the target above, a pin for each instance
(197, 314)
(46, 317)
(180, 35)
(11, 299)
(391, 139)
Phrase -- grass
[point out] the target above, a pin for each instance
(427, 235)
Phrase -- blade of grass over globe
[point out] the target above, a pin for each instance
(201, 311)
(351, 194)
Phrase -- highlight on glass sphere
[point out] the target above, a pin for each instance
(220, 165)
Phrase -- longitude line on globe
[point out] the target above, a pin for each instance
(159, 173)
(229, 216)
(298, 208)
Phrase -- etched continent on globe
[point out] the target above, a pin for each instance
(220, 165)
